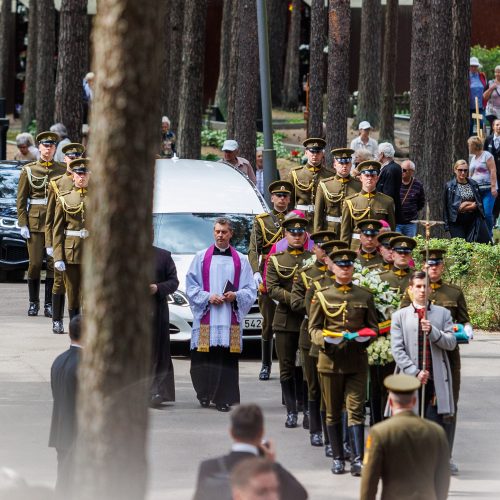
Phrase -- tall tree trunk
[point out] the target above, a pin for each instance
(316, 68)
(70, 71)
(114, 371)
(6, 25)
(389, 72)
(462, 19)
(29, 103)
(247, 88)
(339, 25)
(291, 86)
(233, 71)
(369, 64)
(437, 156)
(225, 51)
(45, 74)
(164, 11)
(421, 17)
(191, 89)
(277, 16)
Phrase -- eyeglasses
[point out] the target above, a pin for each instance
(407, 170)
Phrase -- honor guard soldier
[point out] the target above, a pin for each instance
(399, 276)
(333, 191)
(385, 249)
(70, 233)
(367, 204)
(266, 232)
(368, 255)
(32, 194)
(57, 187)
(452, 297)
(305, 179)
(343, 364)
(281, 273)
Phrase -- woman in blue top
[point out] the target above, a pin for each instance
(477, 86)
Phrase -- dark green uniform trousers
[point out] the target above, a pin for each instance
(287, 344)
(267, 308)
(309, 367)
(36, 252)
(58, 288)
(73, 285)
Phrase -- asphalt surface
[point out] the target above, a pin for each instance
(182, 433)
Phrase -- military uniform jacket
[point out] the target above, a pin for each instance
(411, 456)
(57, 187)
(33, 185)
(266, 231)
(363, 206)
(341, 308)
(281, 273)
(398, 279)
(329, 201)
(70, 215)
(371, 260)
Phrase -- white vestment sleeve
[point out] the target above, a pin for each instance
(247, 292)
(198, 298)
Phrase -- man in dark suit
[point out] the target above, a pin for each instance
(492, 145)
(390, 178)
(247, 431)
(63, 380)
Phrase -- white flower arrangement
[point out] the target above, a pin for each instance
(379, 351)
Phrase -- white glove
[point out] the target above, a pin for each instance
(50, 251)
(25, 232)
(60, 265)
(468, 331)
(257, 277)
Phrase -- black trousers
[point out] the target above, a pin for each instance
(64, 473)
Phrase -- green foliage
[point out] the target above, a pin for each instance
(210, 157)
(474, 267)
(489, 58)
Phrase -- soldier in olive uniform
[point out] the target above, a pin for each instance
(368, 255)
(281, 273)
(266, 232)
(385, 250)
(399, 276)
(70, 233)
(333, 191)
(408, 453)
(58, 186)
(452, 297)
(343, 364)
(31, 210)
(367, 204)
(305, 178)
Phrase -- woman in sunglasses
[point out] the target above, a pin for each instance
(463, 207)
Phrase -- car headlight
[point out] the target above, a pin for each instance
(178, 298)
(9, 222)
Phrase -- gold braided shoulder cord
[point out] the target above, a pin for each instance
(351, 210)
(277, 266)
(297, 183)
(42, 181)
(71, 209)
(268, 242)
(305, 279)
(331, 197)
(340, 308)
(55, 188)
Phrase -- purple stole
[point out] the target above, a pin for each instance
(234, 336)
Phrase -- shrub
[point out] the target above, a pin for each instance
(489, 58)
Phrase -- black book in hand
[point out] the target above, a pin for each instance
(229, 287)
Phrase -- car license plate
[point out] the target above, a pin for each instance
(252, 323)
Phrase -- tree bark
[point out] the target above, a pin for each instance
(164, 11)
(29, 103)
(45, 74)
(233, 72)
(389, 72)
(225, 51)
(277, 16)
(437, 155)
(462, 19)
(6, 25)
(191, 89)
(339, 25)
(70, 70)
(316, 68)
(369, 64)
(291, 86)
(114, 370)
(418, 77)
(246, 88)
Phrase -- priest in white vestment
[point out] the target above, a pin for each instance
(221, 290)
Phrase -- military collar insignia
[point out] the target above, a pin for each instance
(436, 284)
(401, 272)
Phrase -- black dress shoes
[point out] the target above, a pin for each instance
(316, 439)
(156, 401)
(33, 309)
(205, 403)
(328, 451)
(223, 407)
(291, 420)
(265, 372)
(47, 310)
(305, 420)
(338, 466)
(57, 327)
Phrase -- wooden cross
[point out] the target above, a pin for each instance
(478, 117)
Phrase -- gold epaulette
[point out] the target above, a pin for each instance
(262, 215)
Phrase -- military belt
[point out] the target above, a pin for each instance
(37, 201)
(331, 218)
(82, 233)
(306, 208)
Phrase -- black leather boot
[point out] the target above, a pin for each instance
(267, 359)
(34, 296)
(346, 438)
(335, 434)
(288, 389)
(47, 305)
(315, 424)
(328, 446)
(357, 433)
(57, 313)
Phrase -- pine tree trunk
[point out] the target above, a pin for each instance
(421, 17)
(462, 19)
(233, 71)
(339, 25)
(225, 50)
(69, 86)
(118, 268)
(246, 88)
(191, 87)
(316, 68)
(369, 64)
(45, 74)
(437, 156)
(164, 11)
(6, 25)
(29, 103)
(291, 86)
(389, 72)
(277, 17)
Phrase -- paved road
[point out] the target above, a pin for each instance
(183, 433)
